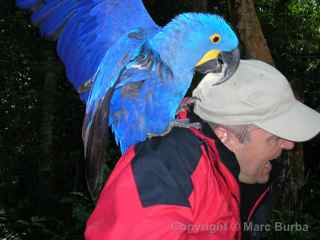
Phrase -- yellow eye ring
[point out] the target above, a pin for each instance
(215, 38)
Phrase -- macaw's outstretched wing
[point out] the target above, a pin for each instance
(96, 39)
(86, 30)
(117, 69)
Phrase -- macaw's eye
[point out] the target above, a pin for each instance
(215, 38)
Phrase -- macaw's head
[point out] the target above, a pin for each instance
(203, 42)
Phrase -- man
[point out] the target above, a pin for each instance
(186, 184)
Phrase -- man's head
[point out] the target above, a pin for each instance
(254, 149)
(259, 100)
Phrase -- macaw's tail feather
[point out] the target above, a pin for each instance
(95, 137)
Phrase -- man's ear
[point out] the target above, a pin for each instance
(221, 133)
(227, 138)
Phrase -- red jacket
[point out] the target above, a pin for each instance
(171, 187)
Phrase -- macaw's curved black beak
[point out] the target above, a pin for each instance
(223, 63)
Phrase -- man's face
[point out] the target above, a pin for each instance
(254, 156)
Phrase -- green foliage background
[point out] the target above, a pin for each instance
(52, 202)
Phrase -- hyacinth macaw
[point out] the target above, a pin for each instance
(130, 72)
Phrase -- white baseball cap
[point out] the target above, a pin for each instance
(257, 94)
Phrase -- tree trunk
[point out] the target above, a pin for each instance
(245, 18)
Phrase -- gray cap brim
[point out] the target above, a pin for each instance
(300, 123)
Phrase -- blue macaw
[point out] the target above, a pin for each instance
(131, 73)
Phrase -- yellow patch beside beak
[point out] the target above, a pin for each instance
(208, 56)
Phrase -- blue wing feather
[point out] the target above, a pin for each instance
(53, 16)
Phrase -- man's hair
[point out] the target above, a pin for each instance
(240, 131)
